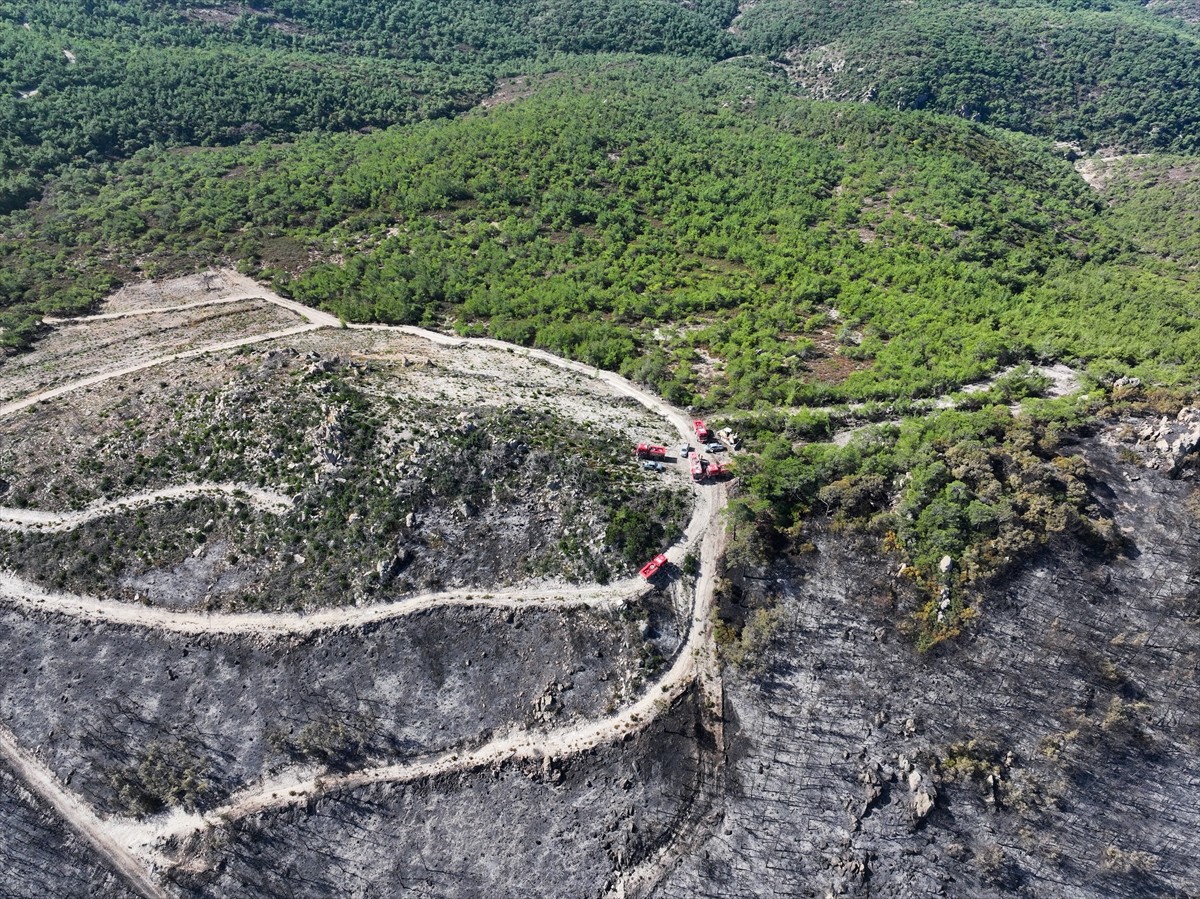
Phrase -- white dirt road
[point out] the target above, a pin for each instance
(12, 519)
(16, 591)
(241, 288)
(42, 396)
(149, 310)
(246, 289)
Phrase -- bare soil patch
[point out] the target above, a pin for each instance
(1099, 170)
(510, 90)
(73, 351)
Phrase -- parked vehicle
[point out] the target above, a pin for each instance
(705, 470)
(650, 451)
(654, 566)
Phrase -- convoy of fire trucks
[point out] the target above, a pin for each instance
(703, 471)
(653, 455)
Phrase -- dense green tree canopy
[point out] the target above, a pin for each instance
(1095, 72)
(788, 241)
(101, 79)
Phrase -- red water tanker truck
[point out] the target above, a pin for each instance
(651, 451)
(654, 566)
(703, 470)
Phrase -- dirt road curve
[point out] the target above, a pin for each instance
(151, 310)
(24, 402)
(122, 841)
(17, 591)
(244, 289)
(57, 522)
(43, 784)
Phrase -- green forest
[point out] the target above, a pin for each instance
(99, 80)
(925, 252)
(683, 193)
(1091, 72)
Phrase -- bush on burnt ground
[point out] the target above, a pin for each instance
(164, 775)
(635, 534)
(745, 640)
(334, 740)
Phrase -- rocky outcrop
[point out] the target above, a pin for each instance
(1170, 444)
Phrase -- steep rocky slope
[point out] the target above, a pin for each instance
(1051, 752)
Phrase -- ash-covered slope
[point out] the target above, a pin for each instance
(39, 858)
(1052, 752)
(560, 827)
(1049, 752)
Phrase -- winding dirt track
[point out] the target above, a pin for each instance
(24, 594)
(56, 522)
(148, 310)
(122, 842)
(42, 396)
(245, 289)
(524, 745)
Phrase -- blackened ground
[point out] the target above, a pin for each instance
(93, 698)
(1052, 751)
(1061, 736)
(39, 858)
(565, 828)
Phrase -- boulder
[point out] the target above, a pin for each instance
(923, 803)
